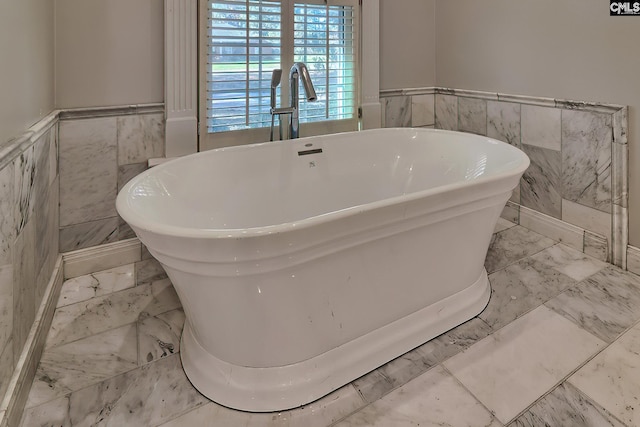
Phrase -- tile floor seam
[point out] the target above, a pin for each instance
(122, 393)
(525, 410)
(136, 322)
(552, 389)
(574, 285)
(107, 295)
(138, 358)
(587, 277)
(135, 274)
(529, 311)
(67, 280)
(110, 329)
(48, 348)
(637, 322)
(523, 258)
(482, 320)
(566, 378)
(493, 414)
(592, 400)
(138, 319)
(624, 331)
(69, 393)
(355, 411)
(358, 390)
(390, 380)
(185, 412)
(399, 386)
(138, 364)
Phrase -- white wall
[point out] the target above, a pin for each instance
(26, 64)
(570, 49)
(109, 52)
(407, 45)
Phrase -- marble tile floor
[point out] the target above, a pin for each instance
(558, 345)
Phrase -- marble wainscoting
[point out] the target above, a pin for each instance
(575, 190)
(29, 198)
(556, 345)
(101, 149)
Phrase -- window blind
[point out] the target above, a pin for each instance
(244, 45)
(246, 41)
(323, 40)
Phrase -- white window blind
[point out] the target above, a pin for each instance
(244, 45)
(323, 40)
(247, 39)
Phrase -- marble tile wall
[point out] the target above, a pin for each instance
(100, 150)
(575, 189)
(28, 235)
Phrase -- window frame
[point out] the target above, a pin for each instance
(246, 136)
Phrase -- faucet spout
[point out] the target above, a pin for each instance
(299, 71)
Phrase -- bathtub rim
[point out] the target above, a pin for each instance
(136, 220)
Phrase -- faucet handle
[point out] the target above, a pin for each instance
(276, 76)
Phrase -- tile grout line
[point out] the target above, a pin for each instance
(367, 404)
(493, 414)
(580, 366)
(69, 393)
(620, 335)
(138, 358)
(565, 378)
(592, 400)
(525, 257)
(110, 329)
(138, 364)
(92, 275)
(188, 411)
(577, 282)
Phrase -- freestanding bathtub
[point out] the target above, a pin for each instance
(304, 264)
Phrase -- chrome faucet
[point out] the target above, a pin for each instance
(298, 71)
(276, 75)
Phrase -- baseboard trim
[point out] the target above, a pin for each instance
(633, 259)
(96, 258)
(20, 384)
(586, 241)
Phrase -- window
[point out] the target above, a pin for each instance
(246, 39)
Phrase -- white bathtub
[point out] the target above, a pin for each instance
(301, 272)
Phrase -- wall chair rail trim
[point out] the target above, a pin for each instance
(495, 96)
(120, 110)
(15, 146)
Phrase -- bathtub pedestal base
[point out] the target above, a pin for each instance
(290, 386)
